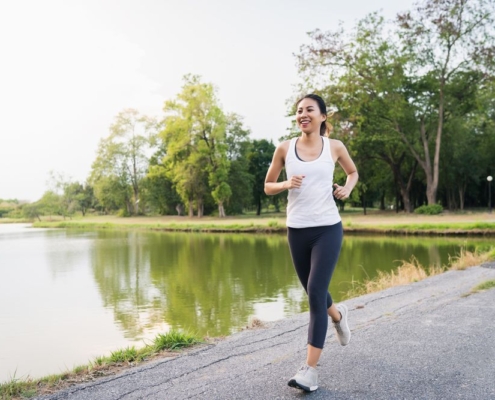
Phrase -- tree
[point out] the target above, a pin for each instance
(260, 158)
(31, 211)
(239, 179)
(51, 203)
(122, 158)
(195, 141)
(159, 192)
(443, 39)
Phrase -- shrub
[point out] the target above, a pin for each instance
(432, 209)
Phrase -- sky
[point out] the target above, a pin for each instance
(68, 67)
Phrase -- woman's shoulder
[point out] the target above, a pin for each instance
(281, 151)
(283, 147)
(336, 144)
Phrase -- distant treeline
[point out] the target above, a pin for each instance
(414, 103)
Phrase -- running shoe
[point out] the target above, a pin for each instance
(306, 379)
(342, 327)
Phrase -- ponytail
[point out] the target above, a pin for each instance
(325, 128)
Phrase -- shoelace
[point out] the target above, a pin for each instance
(303, 369)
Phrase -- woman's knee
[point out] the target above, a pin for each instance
(317, 298)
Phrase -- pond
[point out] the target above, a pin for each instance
(67, 296)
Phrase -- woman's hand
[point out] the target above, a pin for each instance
(294, 182)
(341, 192)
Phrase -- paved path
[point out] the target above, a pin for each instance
(421, 341)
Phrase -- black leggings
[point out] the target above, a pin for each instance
(314, 253)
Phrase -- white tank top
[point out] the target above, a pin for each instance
(312, 204)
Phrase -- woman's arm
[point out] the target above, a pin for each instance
(345, 161)
(273, 187)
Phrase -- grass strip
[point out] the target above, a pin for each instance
(457, 228)
(483, 286)
(271, 226)
(24, 388)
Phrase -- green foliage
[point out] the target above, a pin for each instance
(196, 146)
(8, 207)
(260, 157)
(122, 161)
(159, 192)
(403, 89)
(432, 209)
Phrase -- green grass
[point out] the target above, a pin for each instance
(20, 388)
(445, 226)
(481, 288)
(484, 286)
(272, 226)
(172, 341)
(277, 225)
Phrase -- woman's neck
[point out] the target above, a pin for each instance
(310, 137)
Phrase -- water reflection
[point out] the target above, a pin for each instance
(211, 284)
(206, 283)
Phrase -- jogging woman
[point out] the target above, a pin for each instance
(314, 225)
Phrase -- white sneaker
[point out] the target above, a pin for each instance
(341, 327)
(306, 379)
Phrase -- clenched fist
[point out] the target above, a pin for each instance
(294, 182)
(341, 192)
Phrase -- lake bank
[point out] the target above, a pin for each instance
(471, 224)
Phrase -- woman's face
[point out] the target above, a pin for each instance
(308, 116)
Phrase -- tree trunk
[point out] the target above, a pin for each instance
(258, 207)
(221, 210)
(191, 209)
(136, 201)
(431, 189)
(382, 201)
(431, 173)
(462, 194)
(404, 189)
(179, 209)
(199, 203)
(363, 199)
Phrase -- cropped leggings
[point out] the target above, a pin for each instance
(315, 252)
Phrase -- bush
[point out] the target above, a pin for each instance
(123, 213)
(433, 209)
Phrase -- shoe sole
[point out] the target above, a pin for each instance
(293, 383)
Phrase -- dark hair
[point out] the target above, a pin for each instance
(324, 128)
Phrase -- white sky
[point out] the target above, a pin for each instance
(68, 67)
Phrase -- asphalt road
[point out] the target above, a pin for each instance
(421, 341)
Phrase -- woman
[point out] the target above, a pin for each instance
(313, 222)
